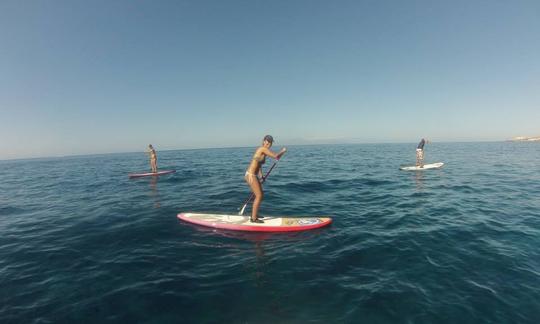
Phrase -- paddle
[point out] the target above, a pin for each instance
(252, 194)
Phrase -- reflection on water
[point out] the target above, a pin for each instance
(154, 194)
(419, 180)
(260, 262)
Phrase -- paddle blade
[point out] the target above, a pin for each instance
(242, 210)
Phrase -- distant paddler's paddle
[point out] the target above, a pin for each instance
(262, 181)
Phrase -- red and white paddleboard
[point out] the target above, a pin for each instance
(242, 223)
(149, 174)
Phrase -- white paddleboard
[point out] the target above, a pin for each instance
(150, 174)
(426, 167)
(242, 223)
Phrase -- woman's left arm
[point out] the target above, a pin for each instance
(274, 155)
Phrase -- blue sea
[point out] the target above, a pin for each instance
(82, 243)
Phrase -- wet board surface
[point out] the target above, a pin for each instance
(242, 223)
(150, 174)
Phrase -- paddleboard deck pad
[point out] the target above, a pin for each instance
(242, 223)
(426, 166)
(149, 174)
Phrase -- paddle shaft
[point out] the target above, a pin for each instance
(253, 194)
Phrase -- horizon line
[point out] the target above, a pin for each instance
(232, 147)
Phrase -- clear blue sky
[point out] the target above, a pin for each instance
(81, 77)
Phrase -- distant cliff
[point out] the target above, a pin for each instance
(525, 139)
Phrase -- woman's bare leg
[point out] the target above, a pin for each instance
(259, 194)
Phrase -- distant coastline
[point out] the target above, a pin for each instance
(525, 139)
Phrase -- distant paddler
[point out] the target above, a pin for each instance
(153, 158)
(254, 176)
(420, 153)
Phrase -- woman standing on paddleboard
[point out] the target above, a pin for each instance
(153, 158)
(254, 173)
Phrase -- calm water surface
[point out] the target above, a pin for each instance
(81, 243)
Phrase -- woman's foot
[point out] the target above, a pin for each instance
(256, 220)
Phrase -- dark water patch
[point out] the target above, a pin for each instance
(332, 184)
(7, 211)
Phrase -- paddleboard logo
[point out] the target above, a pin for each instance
(308, 221)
